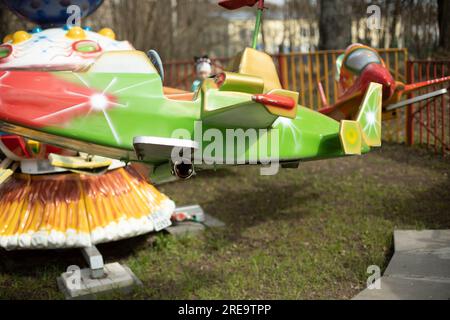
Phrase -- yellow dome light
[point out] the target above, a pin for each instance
(107, 32)
(76, 33)
(20, 36)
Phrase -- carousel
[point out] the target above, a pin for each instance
(52, 197)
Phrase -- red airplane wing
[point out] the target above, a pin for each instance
(402, 90)
(419, 85)
(236, 4)
(39, 99)
(344, 108)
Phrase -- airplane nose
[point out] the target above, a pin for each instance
(379, 74)
(388, 90)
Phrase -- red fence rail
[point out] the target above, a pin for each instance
(428, 122)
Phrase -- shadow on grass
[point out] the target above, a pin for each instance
(418, 209)
(263, 200)
(416, 155)
(30, 263)
(35, 263)
(241, 209)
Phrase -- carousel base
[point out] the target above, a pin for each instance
(198, 223)
(82, 286)
(77, 211)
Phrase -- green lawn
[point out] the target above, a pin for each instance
(303, 234)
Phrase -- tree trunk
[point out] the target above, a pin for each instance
(3, 23)
(393, 29)
(444, 24)
(335, 25)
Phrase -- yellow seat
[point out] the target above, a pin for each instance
(256, 63)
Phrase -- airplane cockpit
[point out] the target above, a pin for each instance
(358, 59)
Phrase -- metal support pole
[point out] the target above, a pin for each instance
(95, 261)
(410, 110)
(259, 15)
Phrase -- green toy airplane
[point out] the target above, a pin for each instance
(117, 108)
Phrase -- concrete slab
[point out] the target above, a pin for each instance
(82, 286)
(419, 268)
(427, 265)
(184, 228)
(204, 221)
(393, 288)
(406, 240)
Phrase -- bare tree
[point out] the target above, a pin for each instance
(3, 30)
(335, 25)
(444, 24)
(10, 23)
(295, 10)
(180, 29)
(176, 28)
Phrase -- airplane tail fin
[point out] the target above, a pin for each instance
(366, 130)
(369, 116)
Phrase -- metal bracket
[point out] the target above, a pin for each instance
(159, 149)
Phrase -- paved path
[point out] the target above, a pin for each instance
(419, 269)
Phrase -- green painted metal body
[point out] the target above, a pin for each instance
(124, 103)
(145, 111)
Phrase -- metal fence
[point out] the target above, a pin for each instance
(428, 122)
(298, 71)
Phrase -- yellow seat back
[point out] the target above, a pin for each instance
(260, 64)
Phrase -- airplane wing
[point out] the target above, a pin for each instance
(345, 108)
(397, 102)
(408, 88)
(407, 102)
(250, 111)
(98, 111)
(33, 104)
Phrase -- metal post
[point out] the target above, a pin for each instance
(409, 109)
(258, 24)
(95, 261)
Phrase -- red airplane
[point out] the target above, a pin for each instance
(356, 69)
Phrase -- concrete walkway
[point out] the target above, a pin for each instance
(419, 269)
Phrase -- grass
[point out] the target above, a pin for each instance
(309, 233)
